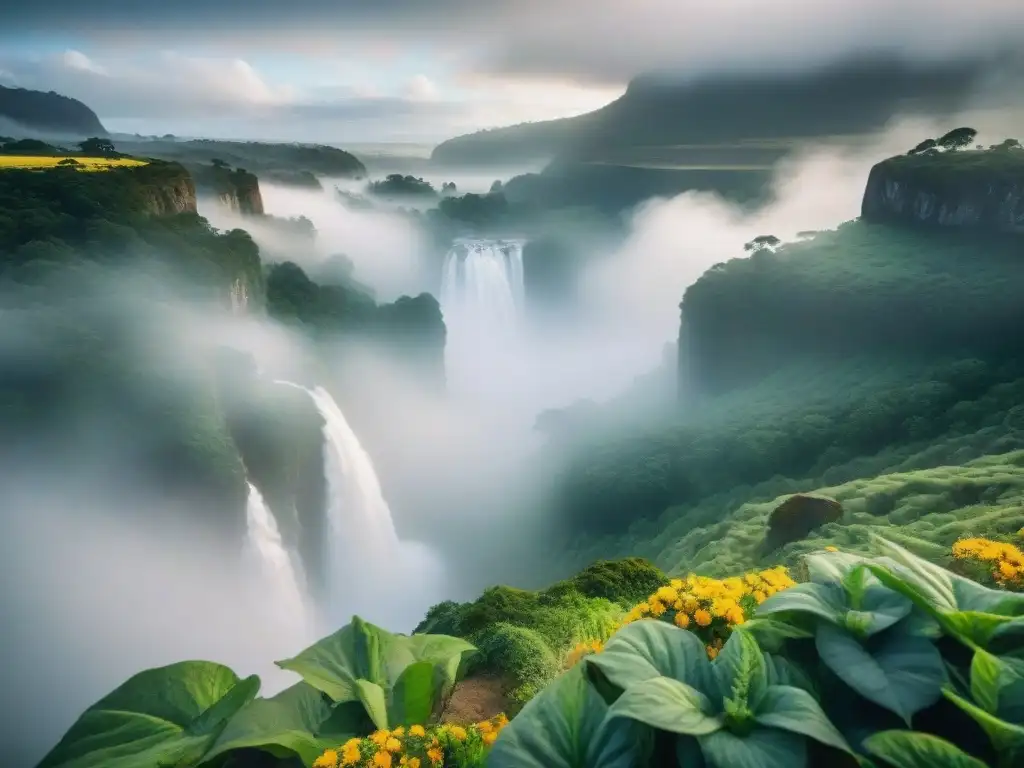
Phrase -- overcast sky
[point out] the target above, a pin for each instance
(424, 70)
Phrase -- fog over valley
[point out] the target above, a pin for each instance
(504, 385)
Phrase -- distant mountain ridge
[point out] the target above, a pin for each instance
(853, 97)
(49, 113)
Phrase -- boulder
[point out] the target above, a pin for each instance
(797, 516)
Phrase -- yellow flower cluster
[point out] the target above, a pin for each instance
(413, 747)
(581, 650)
(1005, 560)
(708, 607)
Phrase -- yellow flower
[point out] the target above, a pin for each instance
(490, 738)
(393, 745)
(677, 584)
(458, 732)
(382, 760)
(435, 755)
(735, 615)
(398, 732)
(350, 752)
(380, 738)
(831, 549)
(667, 594)
(414, 762)
(760, 596)
(682, 620)
(712, 651)
(328, 759)
(417, 730)
(501, 720)
(485, 726)
(702, 617)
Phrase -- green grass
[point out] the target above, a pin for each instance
(984, 497)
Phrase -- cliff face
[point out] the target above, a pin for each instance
(174, 193)
(981, 189)
(237, 190)
(49, 113)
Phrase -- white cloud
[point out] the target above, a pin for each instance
(421, 88)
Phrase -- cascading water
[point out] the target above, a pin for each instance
(284, 582)
(482, 300)
(370, 571)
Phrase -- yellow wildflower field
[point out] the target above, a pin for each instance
(84, 163)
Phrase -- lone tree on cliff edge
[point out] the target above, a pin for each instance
(958, 138)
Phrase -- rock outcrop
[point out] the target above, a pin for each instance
(979, 189)
(797, 516)
(235, 189)
(167, 189)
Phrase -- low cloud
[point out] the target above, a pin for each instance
(592, 41)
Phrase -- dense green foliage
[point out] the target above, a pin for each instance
(398, 186)
(523, 635)
(49, 113)
(199, 713)
(890, 657)
(863, 288)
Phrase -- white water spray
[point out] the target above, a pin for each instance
(482, 294)
(369, 571)
(284, 581)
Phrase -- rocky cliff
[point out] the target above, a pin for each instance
(977, 189)
(235, 189)
(166, 189)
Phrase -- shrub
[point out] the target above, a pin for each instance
(522, 654)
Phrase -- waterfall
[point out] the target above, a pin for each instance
(283, 580)
(482, 296)
(369, 571)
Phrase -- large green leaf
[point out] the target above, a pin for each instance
(761, 748)
(831, 567)
(795, 710)
(782, 671)
(375, 701)
(362, 651)
(822, 601)
(904, 673)
(1006, 737)
(771, 634)
(740, 669)
(416, 695)
(907, 749)
(997, 685)
(650, 648)
(567, 726)
(285, 725)
(668, 705)
(944, 591)
(164, 716)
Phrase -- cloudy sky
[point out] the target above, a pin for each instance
(424, 70)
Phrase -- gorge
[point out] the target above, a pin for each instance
(308, 434)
